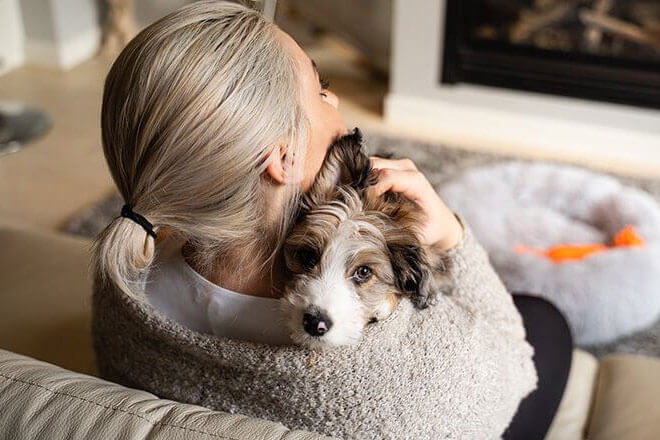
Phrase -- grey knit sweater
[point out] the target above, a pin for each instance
(458, 369)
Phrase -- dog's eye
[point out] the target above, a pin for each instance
(362, 274)
(307, 257)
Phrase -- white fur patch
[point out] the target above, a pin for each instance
(333, 293)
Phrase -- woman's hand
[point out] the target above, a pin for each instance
(441, 229)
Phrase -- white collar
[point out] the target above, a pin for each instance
(184, 295)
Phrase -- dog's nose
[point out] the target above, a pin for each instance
(316, 324)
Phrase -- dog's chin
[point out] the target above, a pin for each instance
(347, 317)
(334, 338)
(338, 335)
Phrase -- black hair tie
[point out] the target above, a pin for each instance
(127, 211)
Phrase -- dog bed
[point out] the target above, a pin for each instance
(603, 296)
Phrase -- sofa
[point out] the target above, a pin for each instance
(49, 386)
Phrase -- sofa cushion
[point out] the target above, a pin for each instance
(572, 416)
(45, 297)
(626, 404)
(40, 400)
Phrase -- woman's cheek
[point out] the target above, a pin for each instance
(326, 125)
(313, 165)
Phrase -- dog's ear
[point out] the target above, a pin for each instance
(346, 163)
(412, 271)
(352, 161)
(412, 268)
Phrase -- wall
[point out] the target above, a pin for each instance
(11, 36)
(61, 33)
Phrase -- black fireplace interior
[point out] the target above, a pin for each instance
(606, 50)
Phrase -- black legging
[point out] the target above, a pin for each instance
(548, 332)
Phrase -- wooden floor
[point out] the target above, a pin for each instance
(64, 171)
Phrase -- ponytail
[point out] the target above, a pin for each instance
(122, 253)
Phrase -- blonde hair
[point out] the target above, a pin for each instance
(190, 109)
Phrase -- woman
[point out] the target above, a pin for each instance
(213, 123)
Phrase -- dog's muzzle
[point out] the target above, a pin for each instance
(316, 323)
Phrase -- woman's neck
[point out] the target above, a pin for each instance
(243, 279)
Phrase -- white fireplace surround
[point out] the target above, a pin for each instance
(613, 136)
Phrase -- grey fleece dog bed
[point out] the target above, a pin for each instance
(604, 296)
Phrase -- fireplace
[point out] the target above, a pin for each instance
(606, 50)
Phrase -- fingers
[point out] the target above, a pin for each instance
(402, 176)
(397, 164)
(408, 182)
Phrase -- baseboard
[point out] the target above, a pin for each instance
(608, 136)
(11, 61)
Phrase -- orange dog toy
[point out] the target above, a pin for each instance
(573, 252)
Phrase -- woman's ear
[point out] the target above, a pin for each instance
(277, 169)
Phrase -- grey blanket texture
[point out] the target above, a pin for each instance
(458, 369)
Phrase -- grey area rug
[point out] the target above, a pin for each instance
(439, 164)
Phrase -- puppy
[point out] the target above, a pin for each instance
(351, 256)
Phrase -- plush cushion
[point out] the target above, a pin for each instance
(45, 297)
(40, 400)
(604, 296)
(626, 404)
(570, 422)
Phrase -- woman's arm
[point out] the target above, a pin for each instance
(478, 288)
